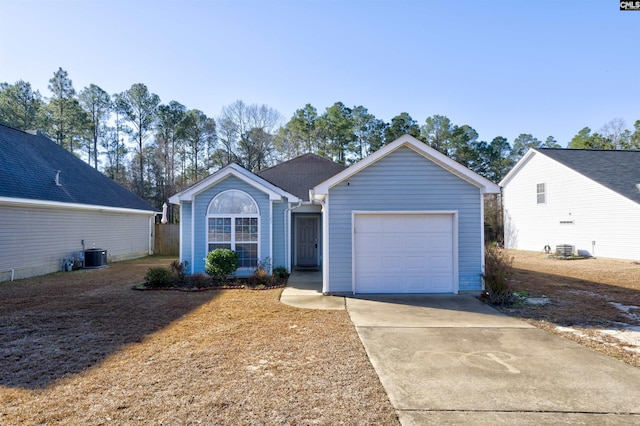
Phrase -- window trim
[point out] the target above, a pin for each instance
(233, 217)
(542, 193)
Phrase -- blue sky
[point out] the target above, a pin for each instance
(503, 67)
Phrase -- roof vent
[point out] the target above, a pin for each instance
(58, 178)
(638, 186)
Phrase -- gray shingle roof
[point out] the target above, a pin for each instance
(28, 165)
(298, 175)
(616, 170)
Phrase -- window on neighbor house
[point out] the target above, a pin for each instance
(541, 193)
(233, 223)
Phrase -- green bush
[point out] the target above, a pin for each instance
(497, 274)
(158, 277)
(280, 272)
(220, 263)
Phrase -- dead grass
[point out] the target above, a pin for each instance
(581, 296)
(83, 348)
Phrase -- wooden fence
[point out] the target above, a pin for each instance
(167, 239)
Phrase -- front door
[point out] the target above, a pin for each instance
(307, 241)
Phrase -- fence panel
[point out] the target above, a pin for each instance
(167, 239)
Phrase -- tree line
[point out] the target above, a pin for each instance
(158, 149)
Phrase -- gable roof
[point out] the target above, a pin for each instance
(302, 173)
(275, 193)
(485, 185)
(29, 164)
(618, 170)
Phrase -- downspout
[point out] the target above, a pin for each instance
(151, 223)
(287, 232)
(325, 245)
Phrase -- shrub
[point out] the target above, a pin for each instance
(221, 262)
(280, 272)
(158, 277)
(179, 270)
(497, 273)
(261, 272)
(200, 281)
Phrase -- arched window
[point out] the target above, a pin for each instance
(233, 223)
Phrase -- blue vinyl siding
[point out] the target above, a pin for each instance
(185, 233)
(201, 203)
(404, 180)
(278, 256)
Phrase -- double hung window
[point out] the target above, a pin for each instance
(541, 193)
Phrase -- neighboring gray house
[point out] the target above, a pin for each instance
(51, 202)
(587, 199)
(406, 219)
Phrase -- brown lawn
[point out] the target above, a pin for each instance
(83, 348)
(582, 296)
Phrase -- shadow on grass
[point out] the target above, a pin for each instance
(64, 323)
(572, 301)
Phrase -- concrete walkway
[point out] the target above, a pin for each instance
(304, 290)
(455, 360)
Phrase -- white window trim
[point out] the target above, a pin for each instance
(233, 217)
(543, 193)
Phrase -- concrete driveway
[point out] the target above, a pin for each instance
(452, 359)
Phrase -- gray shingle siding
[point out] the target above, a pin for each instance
(398, 182)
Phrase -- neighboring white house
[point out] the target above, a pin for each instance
(589, 199)
(406, 219)
(53, 205)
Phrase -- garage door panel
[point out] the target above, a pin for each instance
(416, 263)
(416, 223)
(440, 264)
(416, 242)
(392, 242)
(392, 262)
(369, 224)
(440, 283)
(368, 263)
(416, 284)
(440, 242)
(398, 253)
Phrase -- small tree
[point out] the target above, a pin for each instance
(498, 271)
(221, 262)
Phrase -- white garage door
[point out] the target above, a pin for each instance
(404, 253)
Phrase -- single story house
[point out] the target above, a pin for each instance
(406, 219)
(586, 199)
(53, 205)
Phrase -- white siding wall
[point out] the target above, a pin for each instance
(405, 180)
(599, 214)
(34, 241)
